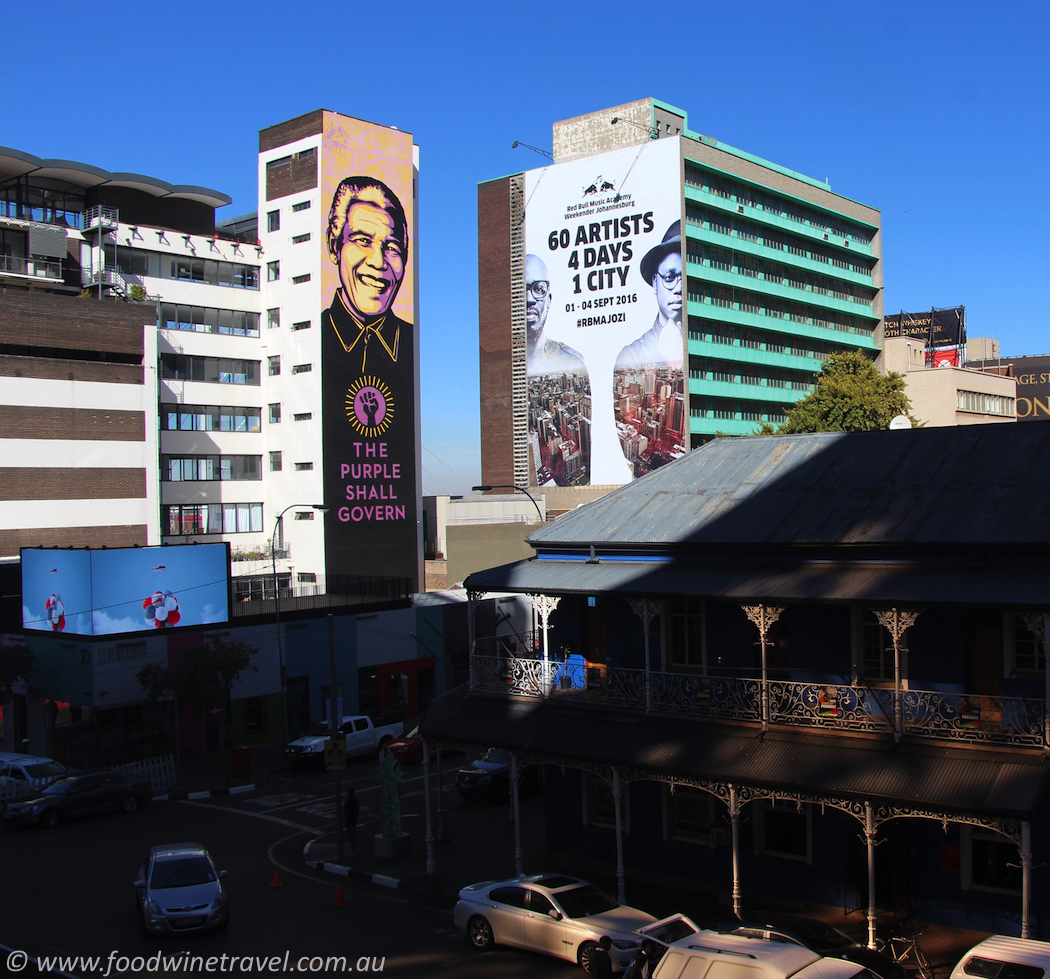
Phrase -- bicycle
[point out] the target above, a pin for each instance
(903, 948)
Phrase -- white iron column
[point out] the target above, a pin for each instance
(545, 604)
(431, 865)
(869, 839)
(646, 610)
(734, 820)
(897, 621)
(472, 597)
(763, 616)
(518, 857)
(620, 890)
(1026, 878)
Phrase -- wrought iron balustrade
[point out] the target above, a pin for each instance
(717, 697)
(969, 717)
(826, 705)
(598, 684)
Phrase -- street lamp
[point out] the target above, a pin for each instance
(277, 603)
(484, 489)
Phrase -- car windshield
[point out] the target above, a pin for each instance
(318, 731)
(182, 872)
(60, 786)
(45, 769)
(583, 901)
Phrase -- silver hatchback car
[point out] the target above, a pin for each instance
(180, 890)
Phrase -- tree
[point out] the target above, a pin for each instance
(850, 395)
(16, 663)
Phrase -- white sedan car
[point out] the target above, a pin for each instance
(551, 913)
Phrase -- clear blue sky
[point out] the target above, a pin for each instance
(936, 113)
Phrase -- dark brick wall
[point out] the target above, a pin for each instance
(129, 535)
(56, 369)
(497, 424)
(36, 319)
(291, 178)
(62, 483)
(288, 132)
(19, 421)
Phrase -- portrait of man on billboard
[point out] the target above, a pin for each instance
(663, 344)
(368, 241)
(543, 355)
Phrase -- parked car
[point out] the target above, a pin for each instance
(695, 952)
(362, 738)
(16, 768)
(178, 890)
(1005, 957)
(555, 914)
(489, 777)
(408, 749)
(71, 796)
(821, 938)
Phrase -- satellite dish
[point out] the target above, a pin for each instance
(900, 422)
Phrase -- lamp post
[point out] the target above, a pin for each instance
(277, 602)
(485, 489)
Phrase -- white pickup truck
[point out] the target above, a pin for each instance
(362, 738)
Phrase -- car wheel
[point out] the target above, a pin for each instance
(49, 818)
(479, 931)
(129, 803)
(585, 955)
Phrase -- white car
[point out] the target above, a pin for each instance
(1000, 955)
(555, 914)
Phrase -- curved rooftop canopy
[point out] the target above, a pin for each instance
(68, 174)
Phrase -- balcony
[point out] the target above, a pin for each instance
(101, 218)
(33, 268)
(960, 718)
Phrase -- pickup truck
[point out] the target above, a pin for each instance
(362, 738)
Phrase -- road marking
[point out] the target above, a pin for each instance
(253, 815)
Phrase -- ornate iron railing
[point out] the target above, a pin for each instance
(831, 707)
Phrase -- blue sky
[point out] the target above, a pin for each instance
(936, 113)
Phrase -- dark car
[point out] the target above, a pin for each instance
(408, 749)
(821, 937)
(79, 795)
(488, 778)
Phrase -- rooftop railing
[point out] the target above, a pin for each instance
(39, 268)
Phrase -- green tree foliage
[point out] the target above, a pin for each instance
(202, 676)
(16, 663)
(850, 395)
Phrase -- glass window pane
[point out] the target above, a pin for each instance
(229, 518)
(243, 518)
(256, 518)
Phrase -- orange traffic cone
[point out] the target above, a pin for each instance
(339, 902)
(276, 880)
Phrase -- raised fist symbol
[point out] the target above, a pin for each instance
(371, 405)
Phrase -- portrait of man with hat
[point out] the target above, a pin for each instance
(663, 344)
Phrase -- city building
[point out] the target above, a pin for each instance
(1032, 374)
(593, 370)
(780, 661)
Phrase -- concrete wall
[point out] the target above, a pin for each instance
(594, 132)
(474, 548)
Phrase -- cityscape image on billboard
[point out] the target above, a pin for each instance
(604, 316)
(130, 589)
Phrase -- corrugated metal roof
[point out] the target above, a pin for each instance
(977, 484)
(951, 780)
(1017, 587)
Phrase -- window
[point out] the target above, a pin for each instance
(182, 469)
(254, 714)
(212, 518)
(514, 897)
(302, 368)
(275, 414)
(206, 270)
(273, 319)
(206, 319)
(1024, 652)
(301, 239)
(307, 578)
(303, 466)
(273, 365)
(300, 279)
(303, 416)
(209, 418)
(306, 154)
(599, 810)
(273, 271)
(303, 325)
(304, 514)
(986, 862)
(212, 370)
(279, 162)
(688, 814)
(275, 462)
(273, 221)
(301, 206)
(875, 659)
(782, 831)
(684, 633)
(985, 404)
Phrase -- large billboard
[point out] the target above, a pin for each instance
(368, 350)
(943, 330)
(604, 297)
(125, 589)
(1033, 383)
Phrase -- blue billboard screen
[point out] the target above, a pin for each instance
(133, 589)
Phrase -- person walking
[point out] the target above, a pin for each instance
(351, 810)
(642, 964)
(601, 963)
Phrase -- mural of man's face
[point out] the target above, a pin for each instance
(371, 259)
(668, 286)
(537, 294)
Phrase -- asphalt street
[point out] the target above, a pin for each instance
(68, 891)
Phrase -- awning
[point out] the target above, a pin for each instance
(775, 582)
(943, 780)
